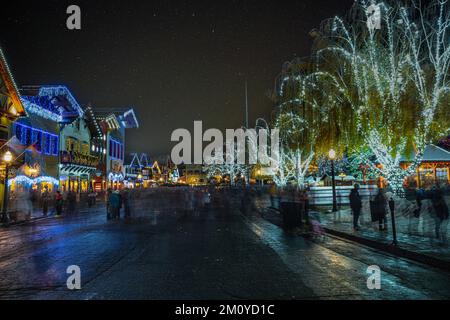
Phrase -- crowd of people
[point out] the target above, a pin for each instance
(383, 203)
(23, 203)
(120, 203)
(115, 201)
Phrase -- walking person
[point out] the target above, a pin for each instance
(441, 215)
(91, 198)
(114, 204)
(380, 205)
(273, 194)
(107, 199)
(125, 196)
(58, 203)
(45, 199)
(71, 202)
(355, 205)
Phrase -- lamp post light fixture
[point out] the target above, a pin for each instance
(332, 156)
(7, 158)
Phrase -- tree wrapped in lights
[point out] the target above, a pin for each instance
(225, 164)
(295, 157)
(303, 120)
(389, 87)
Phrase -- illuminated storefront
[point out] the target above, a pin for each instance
(433, 170)
(11, 108)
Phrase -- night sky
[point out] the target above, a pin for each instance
(174, 61)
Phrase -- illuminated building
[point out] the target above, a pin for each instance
(11, 108)
(113, 124)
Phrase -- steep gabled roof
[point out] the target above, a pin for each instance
(144, 160)
(126, 116)
(432, 153)
(129, 119)
(10, 102)
(51, 102)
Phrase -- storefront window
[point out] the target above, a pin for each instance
(54, 145)
(85, 148)
(46, 142)
(442, 175)
(37, 139)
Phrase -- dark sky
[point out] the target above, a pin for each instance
(174, 61)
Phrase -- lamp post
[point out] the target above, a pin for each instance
(7, 158)
(394, 231)
(332, 156)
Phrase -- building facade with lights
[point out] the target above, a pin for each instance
(51, 109)
(113, 124)
(137, 171)
(78, 163)
(11, 109)
(433, 170)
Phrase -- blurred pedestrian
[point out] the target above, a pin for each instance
(45, 199)
(441, 214)
(125, 196)
(71, 201)
(58, 203)
(91, 198)
(380, 207)
(355, 205)
(273, 194)
(114, 204)
(108, 209)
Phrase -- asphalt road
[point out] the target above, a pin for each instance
(215, 255)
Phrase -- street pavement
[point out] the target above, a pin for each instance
(216, 254)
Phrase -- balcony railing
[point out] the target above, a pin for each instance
(78, 158)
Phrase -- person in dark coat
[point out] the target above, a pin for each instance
(71, 202)
(125, 195)
(114, 204)
(380, 205)
(355, 205)
(58, 203)
(45, 198)
(108, 209)
(441, 213)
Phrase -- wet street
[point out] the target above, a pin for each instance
(214, 255)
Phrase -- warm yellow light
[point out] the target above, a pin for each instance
(332, 154)
(140, 176)
(7, 157)
(13, 111)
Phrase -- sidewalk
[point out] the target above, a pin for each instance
(37, 214)
(413, 235)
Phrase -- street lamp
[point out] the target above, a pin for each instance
(332, 156)
(7, 158)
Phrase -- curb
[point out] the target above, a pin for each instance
(389, 248)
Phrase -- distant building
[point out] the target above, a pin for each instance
(137, 170)
(192, 174)
(434, 168)
(114, 123)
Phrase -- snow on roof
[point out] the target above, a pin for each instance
(432, 153)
